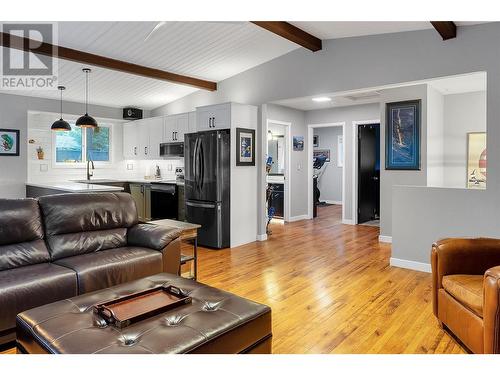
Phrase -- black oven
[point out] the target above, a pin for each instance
(172, 149)
(164, 201)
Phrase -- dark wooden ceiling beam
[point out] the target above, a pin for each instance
(447, 29)
(47, 49)
(292, 33)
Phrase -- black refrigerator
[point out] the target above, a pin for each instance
(207, 177)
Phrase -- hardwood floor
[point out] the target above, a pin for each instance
(331, 289)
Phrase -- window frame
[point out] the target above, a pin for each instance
(83, 163)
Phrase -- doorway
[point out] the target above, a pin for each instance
(368, 171)
(326, 172)
(278, 177)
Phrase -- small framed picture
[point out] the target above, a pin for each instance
(323, 154)
(9, 142)
(245, 147)
(476, 160)
(315, 140)
(298, 143)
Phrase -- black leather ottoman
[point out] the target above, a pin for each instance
(215, 322)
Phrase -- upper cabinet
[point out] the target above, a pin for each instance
(130, 141)
(176, 126)
(142, 138)
(213, 117)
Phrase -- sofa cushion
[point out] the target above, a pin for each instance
(26, 287)
(467, 289)
(111, 267)
(77, 224)
(21, 234)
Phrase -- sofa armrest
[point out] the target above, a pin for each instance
(161, 238)
(491, 311)
(469, 256)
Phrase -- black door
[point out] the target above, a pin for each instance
(368, 172)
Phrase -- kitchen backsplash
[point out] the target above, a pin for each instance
(44, 170)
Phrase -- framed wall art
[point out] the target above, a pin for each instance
(245, 147)
(298, 143)
(402, 148)
(9, 142)
(322, 153)
(476, 160)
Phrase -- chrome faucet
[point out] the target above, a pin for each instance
(90, 174)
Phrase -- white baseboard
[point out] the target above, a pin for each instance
(333, 202)
(410, 264)
(348, 221)
(261, 237)
(297, 218)
(385, 239)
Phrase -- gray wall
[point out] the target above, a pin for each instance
(14, 115)
(435, 141)
(330, 183)
(390, 178)
(371, 61)
(463, 113)
(366, 112)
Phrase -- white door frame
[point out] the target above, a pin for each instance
(355, 125)
(310, 133)
(288, 161)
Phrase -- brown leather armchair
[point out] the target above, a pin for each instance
(466, 290)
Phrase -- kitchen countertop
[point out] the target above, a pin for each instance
(74, 187)
(132, 181)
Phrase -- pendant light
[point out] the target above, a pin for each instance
(61, 125)
(86, 121)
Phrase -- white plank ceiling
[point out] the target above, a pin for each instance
(208, 50)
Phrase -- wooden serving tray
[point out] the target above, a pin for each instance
(135, 307)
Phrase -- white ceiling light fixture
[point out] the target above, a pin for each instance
(322, 99)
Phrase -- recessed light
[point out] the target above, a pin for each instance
(321, 99)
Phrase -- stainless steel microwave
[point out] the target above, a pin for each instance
(172, 149)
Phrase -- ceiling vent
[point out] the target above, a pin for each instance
(363, 95)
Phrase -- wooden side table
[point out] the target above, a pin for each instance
(189, 232)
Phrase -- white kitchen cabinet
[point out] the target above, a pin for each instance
(169, 126)
(155, 131)
(182, 127)
(175, 126)
(192, 122)
(213, 117)
(142, 138)
(130, 141)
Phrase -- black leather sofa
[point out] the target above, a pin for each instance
(60, 246)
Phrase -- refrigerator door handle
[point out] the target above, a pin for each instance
(202, 205)
(195, 164)
(202, 166)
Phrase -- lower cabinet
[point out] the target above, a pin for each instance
(142, 197)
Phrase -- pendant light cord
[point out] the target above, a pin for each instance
(87, 92)
(61, 101)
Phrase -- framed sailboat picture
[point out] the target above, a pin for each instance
(402, 148)
(476, 160)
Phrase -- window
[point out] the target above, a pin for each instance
(81, 144)
(98, 144)
(69, 146)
